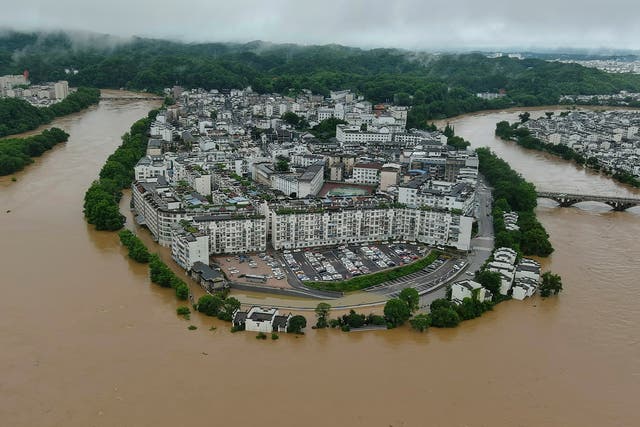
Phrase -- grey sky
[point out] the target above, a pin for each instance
(367, 23)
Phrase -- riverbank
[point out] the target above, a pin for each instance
(20, 116)
(17, 153)
(513, 132)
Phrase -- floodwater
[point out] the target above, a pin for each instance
(86, 340)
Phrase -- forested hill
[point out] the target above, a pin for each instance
(436, 85)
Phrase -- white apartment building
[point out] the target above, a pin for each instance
(61, 89)
(9, 81)
(347, 135)
(187, 247)
(229, 234)
(366, 173)
(301, 185)
(325, 113)
(300, 228)
(306, 160)
(199, 181)
(421, 191)
(150, 167)
(157, 207)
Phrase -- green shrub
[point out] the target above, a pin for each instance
(137, 250)
(420, 322)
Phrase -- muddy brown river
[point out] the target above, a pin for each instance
(86, 340)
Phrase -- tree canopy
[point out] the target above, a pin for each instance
(16, 153)
(397, 312)
(435, 86)
(17, 115)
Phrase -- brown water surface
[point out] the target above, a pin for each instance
(86, 340)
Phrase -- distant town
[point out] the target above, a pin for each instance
(41, 95)
(608, 65)
(610, 139)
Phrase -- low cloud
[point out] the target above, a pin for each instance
(413, 24)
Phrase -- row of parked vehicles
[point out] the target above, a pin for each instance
(276, 269)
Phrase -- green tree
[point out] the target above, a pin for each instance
(182, 291)
(469, 308)
(397, 312)
(107, 216)
(291, 118)
(444, 317)
(354, 320)
(282, 164)
(440, 303)
(420, 322)
(551, 284)
(489, 280)
(210, 304)
(229, 306)
(524, 117)
(322, 313)
(297, 324)
(411, 297)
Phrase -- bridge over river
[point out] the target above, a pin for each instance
(566, 199)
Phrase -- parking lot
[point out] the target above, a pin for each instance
(345, 262)
(260, 269)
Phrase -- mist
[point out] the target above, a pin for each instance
(410, 24)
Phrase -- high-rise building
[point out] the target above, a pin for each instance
(61, 89)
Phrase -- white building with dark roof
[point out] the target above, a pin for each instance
(469, 289)
(261, 319)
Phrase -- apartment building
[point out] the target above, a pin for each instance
(299, 226)
(233, 233)
(367, 173)
(189, 246)
(423, 191)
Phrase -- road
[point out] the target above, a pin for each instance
(432, 285)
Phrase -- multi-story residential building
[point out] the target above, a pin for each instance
(367, 220)
(305, 160)
(233, 233)
(61, 89)
(389, 176)
(423, 191)
(347, 135)
(367, 173)
(150, 167)
(189, 246)
(300, 185)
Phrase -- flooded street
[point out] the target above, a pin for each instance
(86, 340)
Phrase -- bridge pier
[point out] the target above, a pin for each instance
(620, 206)
(565, 200)
(567, 203)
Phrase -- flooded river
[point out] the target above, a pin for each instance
(86, 340)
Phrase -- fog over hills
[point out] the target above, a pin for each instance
(411, 24)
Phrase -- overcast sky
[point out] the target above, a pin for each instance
(412, 24)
